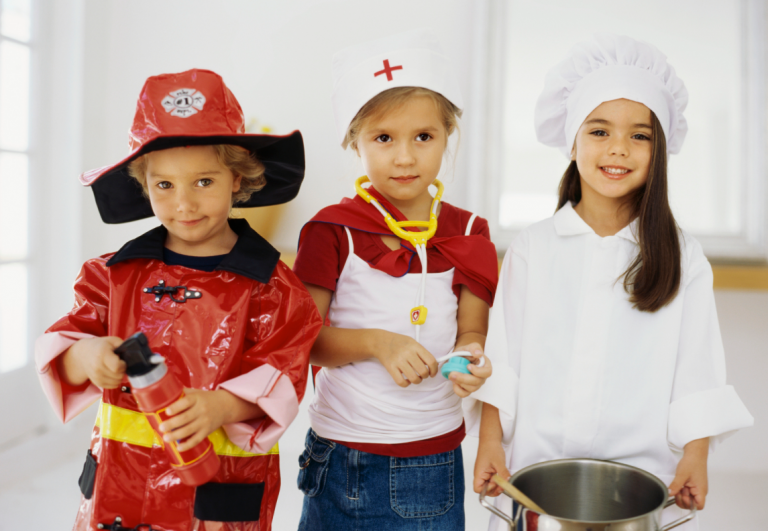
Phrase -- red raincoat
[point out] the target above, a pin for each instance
(250, 333)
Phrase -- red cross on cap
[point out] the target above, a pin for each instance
(388, 70)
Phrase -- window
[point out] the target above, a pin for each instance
(716, 183)
(14, 182)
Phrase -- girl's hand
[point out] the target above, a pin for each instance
(491, 460)
(690, 481)
(93, 359)
(404, 356)
(466, 384)
(195, 416)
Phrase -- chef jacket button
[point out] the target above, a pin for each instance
(125, 389)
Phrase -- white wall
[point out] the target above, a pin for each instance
(743, 320)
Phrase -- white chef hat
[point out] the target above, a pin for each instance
(410, 59)
(609, 68)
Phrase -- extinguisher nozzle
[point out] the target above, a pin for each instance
(137, 355)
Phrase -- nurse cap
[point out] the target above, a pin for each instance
(410, 59)
(193, 108)
(609, 68)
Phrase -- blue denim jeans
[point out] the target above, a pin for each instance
(346, 489)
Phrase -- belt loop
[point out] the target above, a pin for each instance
(353, 474)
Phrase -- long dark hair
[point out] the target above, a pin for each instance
(652, 280)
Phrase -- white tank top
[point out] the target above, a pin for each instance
(360, 402)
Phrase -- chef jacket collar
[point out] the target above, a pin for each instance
(569, 223)
(252, 256)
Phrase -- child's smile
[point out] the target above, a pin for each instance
(190, 223)
(615, 172)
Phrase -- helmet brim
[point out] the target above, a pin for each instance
(120, 199)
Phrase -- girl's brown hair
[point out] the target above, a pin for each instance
(390, 99)
(653, 279)
(236, 159)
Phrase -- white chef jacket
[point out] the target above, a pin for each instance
(578, 372)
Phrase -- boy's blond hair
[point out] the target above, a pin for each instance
(390, 99)
(236, 159)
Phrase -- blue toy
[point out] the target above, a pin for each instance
(455, 365)
(457, 362)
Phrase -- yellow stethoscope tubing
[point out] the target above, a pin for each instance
(417, 239)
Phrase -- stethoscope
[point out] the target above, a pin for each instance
(418, 314)
(455, 361)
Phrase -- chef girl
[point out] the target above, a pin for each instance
(384, 448)
(605, 340)
(232, 322)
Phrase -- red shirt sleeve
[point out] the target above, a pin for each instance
(322, 253)
(479, 228)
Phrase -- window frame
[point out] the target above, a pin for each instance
(28, 260)
(486, 147)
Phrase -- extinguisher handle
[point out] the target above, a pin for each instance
(137, 355)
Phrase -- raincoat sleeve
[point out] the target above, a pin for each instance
(702, 405)
(283, 325)
(504, 342)
(88, 318)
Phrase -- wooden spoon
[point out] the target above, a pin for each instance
(516, 495)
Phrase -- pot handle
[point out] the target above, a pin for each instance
(511, 521)
(687, 518)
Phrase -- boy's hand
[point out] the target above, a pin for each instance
(466, 384)
(195, 416)
(491, 460)
(690, 481)
(93, 359)
(404, 356)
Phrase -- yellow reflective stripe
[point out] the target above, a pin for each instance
(224, 446)
(132, 427)
(124, 425)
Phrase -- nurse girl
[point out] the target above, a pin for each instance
(605, 340)
(403, 279)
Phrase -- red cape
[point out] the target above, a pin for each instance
(475, 256)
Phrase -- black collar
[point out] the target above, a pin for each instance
(252, 256)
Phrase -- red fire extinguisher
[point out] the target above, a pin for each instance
(155, 389)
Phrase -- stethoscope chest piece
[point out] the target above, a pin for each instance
(455, 365)
(457, 361)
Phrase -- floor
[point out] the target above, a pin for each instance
(49, 500)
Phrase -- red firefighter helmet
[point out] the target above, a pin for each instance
(186, 109)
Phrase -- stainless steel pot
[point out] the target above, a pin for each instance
(589, 495)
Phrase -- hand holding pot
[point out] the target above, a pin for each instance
(691, 475)
(491, 460)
